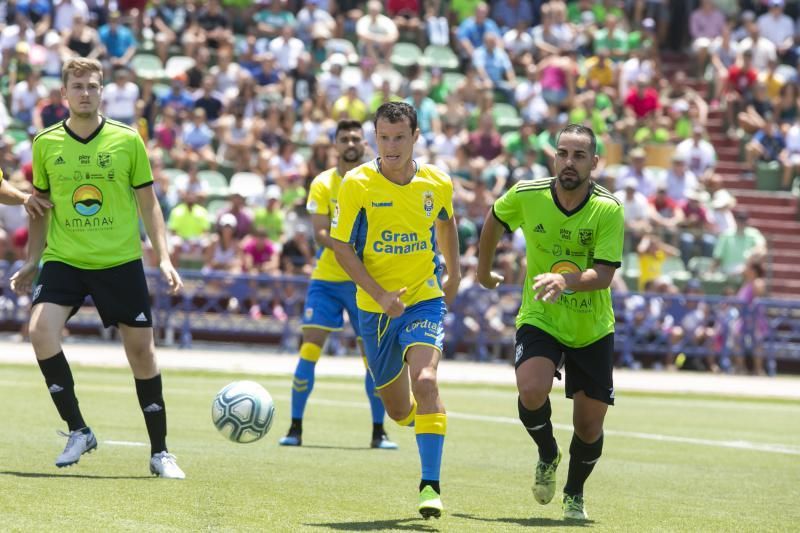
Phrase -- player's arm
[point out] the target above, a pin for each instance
(491, 233)
(447, 235)
(22, 280)
(155, 227)
(35, 204)
(322, 228)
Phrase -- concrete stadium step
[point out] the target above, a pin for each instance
(788, 254)
(784, 288)
(733, 167)
(782, 241)
(715, 125)
(778, 213)
(776, 227)
(752, 197)
(783, 270)
(727, 153)
(737, 181)
(723, 141)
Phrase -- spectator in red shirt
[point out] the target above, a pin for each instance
(741, 80)
(666, 212)
(406, 16)
(642, 99)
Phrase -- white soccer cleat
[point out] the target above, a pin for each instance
(164, 465)
(78, 443)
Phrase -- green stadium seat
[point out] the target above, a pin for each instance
(506, 117)
(248, 184)
(215, 208)
(148, 66)
(174, 175)
(452, 80)
(342, 46)
(406, 54)
(51, 82)
(769, 176)
(17, 135)
(216, 182)
(442, 57)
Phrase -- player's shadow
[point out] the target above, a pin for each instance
(528, 522)
(35, 475)
(402, 524)
(345, 448)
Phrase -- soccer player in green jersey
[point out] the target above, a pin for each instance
(391, 214)
(331, 291)
(96, 173)
(10, 195)
(573, 232)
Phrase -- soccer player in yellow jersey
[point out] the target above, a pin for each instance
(96, 173)
(390, 216)
(574, 231)
(331, 290)
(10, 195)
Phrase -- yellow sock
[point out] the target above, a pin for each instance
(310, 352)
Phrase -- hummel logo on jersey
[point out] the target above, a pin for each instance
(539, 229)
(60, 161)
(153, 408)
(55, 388)
(141, 318)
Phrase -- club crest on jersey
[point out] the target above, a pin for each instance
(427, 203)
(586, 236)
(335, 219)
(104, 160)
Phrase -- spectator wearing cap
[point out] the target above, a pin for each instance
(377, 33)
(287, 48)
(118, 40)
(637, 211)
(270, 219)
(331, 83)
(736, 246)
(778, 28)
(720, 205)
(645, 179)
(311, 15)
(680, 180)
(705, 24)
(699, 153)
(223, 253)
(349, 105)
(473, 30)
(766, 145)
(52, 111)
(119, 97)
(427, 115)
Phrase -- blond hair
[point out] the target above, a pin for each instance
(80, 66)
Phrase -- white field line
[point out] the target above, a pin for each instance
(123, 443)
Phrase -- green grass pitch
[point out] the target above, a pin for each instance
(731, 465)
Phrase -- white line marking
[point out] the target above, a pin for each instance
(123, 443)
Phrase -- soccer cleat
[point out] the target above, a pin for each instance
(544, 487)
(430, 504)
(78, 442)
(383, 443)
(164, 465)
(291, 439)
(573, 507)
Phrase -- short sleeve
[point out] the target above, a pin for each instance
(446, 211)
(348, 206)
(1, 175)
(319, 198)
(610, 238)
(41, 182)
(507, 210)
(141, 174)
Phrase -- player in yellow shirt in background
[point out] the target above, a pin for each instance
(331, 291)
(390, 215)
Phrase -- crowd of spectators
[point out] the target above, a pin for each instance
(237, 101)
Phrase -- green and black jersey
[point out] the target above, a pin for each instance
(94, 222)
(564, 241)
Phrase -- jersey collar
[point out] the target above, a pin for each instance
(561, 208)
(88, 139)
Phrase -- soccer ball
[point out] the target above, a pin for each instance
(243, 411)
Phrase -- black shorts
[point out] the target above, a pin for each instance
(588, 369)
(119, 293)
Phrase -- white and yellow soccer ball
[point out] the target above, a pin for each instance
(243, 411)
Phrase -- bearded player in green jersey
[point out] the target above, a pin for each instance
(97, 175)
(573, 232)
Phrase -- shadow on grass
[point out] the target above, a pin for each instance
(402, 524)
(65, 475)
(345, 448)
(528, 522)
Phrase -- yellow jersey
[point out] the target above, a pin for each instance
(391, 227)
(322, 201)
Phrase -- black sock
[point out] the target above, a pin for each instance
(582, 458)
(377, 431)
(434, 485)
(297, 427)
(58, 378)
(151, 401)
(539, 427)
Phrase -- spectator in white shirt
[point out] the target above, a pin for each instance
(25, 95)
(65, 10)
(119, 98)
(777, 27)
(763, 49)
(790, 156)
(637, 211)
(680, 180)
(698, 152)
(376, 32)
(312, 14)
(287, 48)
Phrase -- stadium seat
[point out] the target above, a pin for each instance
(216, 182)
(676, 270)
(406, 54)
(174, 175)
(506, 117)
(769, 176)
(442, 57)
(51, 82)
(658, 155)
(178, 65)
(614, 153)
(148, 66)
(342, 46)
(452, 80)
(248, 184)
(214, 208)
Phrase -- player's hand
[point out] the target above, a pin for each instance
(171, 275)
(450, 288)
(548, 287)
(492, 280)
(391, 303)
(36, 206)
(22, 280)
